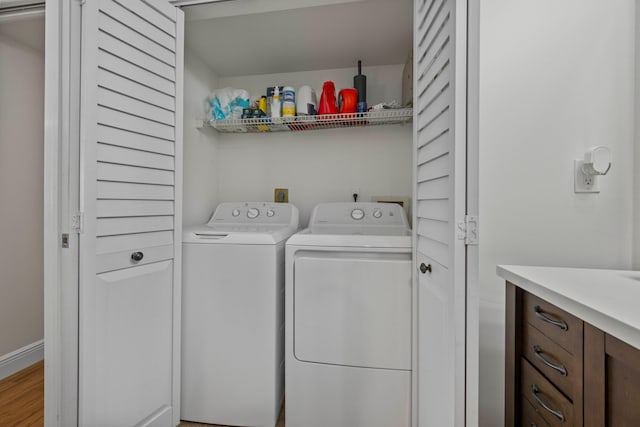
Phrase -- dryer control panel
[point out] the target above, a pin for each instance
(259, 213)
(373, 214)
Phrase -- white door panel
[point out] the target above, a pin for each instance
(130, 174)
(355, 311)
(440, 193)
(358, 401)
(133, 312)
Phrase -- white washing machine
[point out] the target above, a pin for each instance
(348, 318)
(233, 314)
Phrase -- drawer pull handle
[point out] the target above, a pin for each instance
(560, 368)
(559, 323)
(137, 256)
(424, 268)
(535, 391)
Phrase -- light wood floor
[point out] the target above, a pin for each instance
(22, 397)
(22, 400)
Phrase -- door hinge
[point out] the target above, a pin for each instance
(468, 230)
(77, 222)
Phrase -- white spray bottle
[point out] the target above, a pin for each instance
(275, 104)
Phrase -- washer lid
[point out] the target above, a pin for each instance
(307, 237)
(257, 223)
(375, 225)
(239, 235)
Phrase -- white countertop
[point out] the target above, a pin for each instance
(607, 299)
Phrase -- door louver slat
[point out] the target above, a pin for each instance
(142, 26)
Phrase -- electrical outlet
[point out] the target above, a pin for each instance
(583, 183)
(281, 195)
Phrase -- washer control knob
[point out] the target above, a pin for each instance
(270, 213)
(357, 214)
(235, 212)
(253, 213)
(377, 213)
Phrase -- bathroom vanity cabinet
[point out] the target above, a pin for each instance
(569, 362)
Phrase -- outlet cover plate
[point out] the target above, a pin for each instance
(281, 195)
(579, 180)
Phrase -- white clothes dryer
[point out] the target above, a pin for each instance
(348, 318)
(233, 314)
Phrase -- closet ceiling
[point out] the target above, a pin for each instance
(28, 31)
(312, 38)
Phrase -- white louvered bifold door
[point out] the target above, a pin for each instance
(440, 145)
(131, 132)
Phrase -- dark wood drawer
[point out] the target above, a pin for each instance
(560, 367)
(556, 324)
(548, 401)
(531, 418)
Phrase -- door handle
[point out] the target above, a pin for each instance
(137, 256)
(424, 268)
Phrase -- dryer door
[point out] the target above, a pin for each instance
(353, 309)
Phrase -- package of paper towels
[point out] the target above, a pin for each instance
(227, 103)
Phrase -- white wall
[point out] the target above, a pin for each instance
(318, 166)
(21, 195)
(200, 146)
(555, 79)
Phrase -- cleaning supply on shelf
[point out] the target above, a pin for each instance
(262, 104)
(275, 103)
(306, 101)
(288, 102)
(228, 103)
(269, 100)
(328, 99)
(360, 84)
(348, 100)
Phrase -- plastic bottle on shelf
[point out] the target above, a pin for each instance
(328, 99)
(275, 103)
(262, 104)
(288, 102)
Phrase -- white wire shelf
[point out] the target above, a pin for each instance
(306, 123)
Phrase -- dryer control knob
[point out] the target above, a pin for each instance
(377, 213)
(253, 213)
(270, 213)
(235, 212)
(357, 214)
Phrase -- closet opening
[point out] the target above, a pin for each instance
(22, 213)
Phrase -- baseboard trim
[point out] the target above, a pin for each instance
(17, 360)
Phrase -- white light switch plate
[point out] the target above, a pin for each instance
(583, 183)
